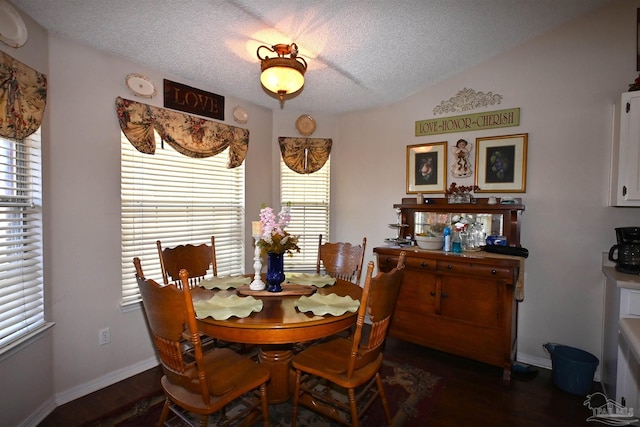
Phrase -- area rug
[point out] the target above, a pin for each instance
(411, 392)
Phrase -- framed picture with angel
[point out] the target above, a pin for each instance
(461, 167)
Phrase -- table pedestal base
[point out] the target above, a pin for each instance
(278, 358)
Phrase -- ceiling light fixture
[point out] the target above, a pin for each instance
(280, 74)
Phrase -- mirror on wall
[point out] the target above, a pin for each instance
(427, 223)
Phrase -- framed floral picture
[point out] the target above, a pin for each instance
(501, 164)
(427, 168)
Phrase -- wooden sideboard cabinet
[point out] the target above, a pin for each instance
(460, 304)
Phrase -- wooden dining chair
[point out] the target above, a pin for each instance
(215, 378)
(341, 260)
(195, 259)
(350, 363)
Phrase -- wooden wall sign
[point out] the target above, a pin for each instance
(191, 100)
(469, 122)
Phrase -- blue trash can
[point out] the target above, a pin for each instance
(572, 368)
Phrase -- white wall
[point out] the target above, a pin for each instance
(564, 82)
(82, 231)
(84, 207)
(26, 382)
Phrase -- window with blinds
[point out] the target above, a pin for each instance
(308, 196)
(21, 286)
(178, 200)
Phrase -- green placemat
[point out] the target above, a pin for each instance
(221, 308)
(327, 304)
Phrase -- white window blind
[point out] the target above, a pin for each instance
(308, 195)
(21, 286)
(178, 200)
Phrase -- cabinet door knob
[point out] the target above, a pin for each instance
(423, 264)
(450, 267)
(494, 272)
(388, 260)
(432, 293)
(444, 295)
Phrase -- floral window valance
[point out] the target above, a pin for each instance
(23, 96)
(190, 135)
(305, 155)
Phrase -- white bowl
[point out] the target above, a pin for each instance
(433, 243)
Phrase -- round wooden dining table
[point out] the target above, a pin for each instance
(276, 328)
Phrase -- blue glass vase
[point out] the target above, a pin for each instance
(275, 271)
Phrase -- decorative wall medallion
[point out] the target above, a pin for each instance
(240, 115)
(306, 125)
(141, 85)
(13, 30)
(467, 99)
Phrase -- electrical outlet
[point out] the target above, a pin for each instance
(104, 336)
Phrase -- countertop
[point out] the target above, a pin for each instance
(623, 280)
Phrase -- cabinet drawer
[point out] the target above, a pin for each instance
(421, 263)
(630, 303)
(470, 268)
(387, 263)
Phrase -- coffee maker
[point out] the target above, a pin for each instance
(626, 253)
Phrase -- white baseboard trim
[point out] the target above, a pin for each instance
(39, 414)
(546, 363)
(105, 381)
(533, 360)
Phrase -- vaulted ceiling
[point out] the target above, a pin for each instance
(361, 54)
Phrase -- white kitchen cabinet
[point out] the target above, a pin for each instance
(625, 154)
(617, 367)
(629, 373)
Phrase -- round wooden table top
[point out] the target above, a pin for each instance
(279, 321)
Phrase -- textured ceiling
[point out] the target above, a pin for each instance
(361, 54)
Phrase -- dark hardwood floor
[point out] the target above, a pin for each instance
(473, 395)
(107, 401)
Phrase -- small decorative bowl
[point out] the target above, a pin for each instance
(433, 243)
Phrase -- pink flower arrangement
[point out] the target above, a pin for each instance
(274, 238)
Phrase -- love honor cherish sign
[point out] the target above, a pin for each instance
(469, 122)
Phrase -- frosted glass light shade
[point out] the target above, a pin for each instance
(282, 79)
(282, 75)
